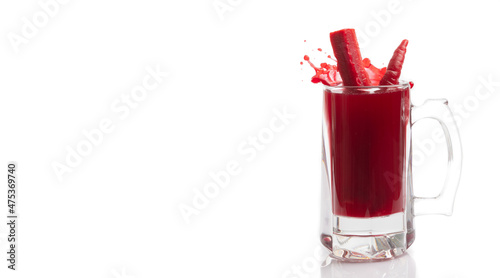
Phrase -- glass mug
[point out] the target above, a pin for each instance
(367, 201)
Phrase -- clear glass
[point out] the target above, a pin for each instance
(367, 200)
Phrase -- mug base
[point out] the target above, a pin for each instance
(368, 248)
(368, 239)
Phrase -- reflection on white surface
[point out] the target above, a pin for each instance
(403, 267)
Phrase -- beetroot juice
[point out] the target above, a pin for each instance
(366, 130)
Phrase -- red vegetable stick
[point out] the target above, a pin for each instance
(391, 76)
(346, 50)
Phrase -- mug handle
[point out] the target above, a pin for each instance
(443, 203)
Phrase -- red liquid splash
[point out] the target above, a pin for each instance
(374, 73)
(328, 74)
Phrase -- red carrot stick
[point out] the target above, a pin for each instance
(391, 76)
(349, 62)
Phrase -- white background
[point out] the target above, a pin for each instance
(116, 214)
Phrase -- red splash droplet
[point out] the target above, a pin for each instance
(366, 62)
(374, 73)
(304, 40)
(301, 63)
(319, 49)
(411, 84)
(306, 58)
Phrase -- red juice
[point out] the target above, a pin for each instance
(367, 130)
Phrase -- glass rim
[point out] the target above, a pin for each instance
(402, 83)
